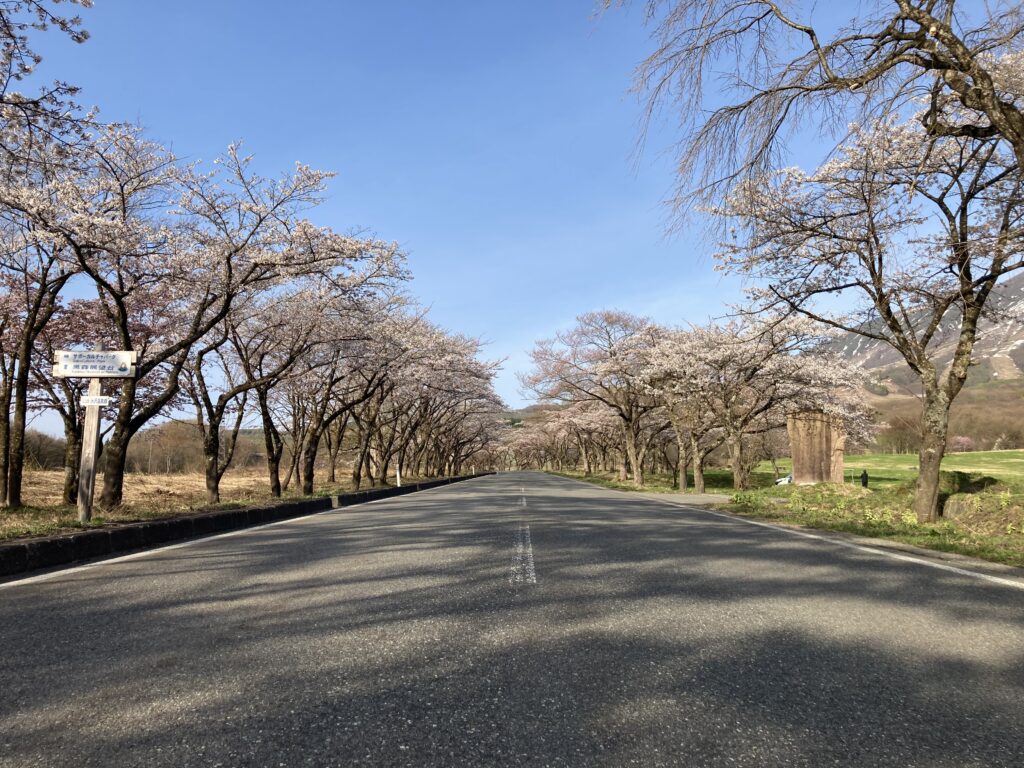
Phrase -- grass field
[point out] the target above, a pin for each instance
(145, 497)
(982, 493)
(886, 470)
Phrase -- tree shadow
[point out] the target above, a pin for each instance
(391, 634)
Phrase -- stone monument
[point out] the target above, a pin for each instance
(817, 442)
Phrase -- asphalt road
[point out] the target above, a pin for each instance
(480, 625)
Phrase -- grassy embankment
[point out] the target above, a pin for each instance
(146, 497)
(983, 497)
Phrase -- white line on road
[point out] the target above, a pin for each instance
(522, 558)
(56, 574)
(862, 548)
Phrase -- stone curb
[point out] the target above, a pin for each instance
(52, 551)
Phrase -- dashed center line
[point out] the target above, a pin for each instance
(522, 571)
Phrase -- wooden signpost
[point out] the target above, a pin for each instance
(94, 365)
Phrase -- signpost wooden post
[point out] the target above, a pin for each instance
(95, 365)
(90, 451)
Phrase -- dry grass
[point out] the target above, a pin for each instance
(145, 497)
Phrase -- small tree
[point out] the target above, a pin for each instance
(961, 444)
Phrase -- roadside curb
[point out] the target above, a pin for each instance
(63, 549)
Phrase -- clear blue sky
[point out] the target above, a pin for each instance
(494, 141)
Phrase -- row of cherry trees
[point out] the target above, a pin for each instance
(242, 310)
(624, 391)
(904, 233)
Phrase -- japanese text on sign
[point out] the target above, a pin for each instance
(112, 364)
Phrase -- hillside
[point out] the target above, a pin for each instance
(998, 354)
(989, 411)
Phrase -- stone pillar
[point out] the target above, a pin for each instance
(816, 442)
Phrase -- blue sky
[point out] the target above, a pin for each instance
(494, 141)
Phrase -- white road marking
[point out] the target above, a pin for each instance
(862, 548)
(522, 571)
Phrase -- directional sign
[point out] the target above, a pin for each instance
(97, 400)
(94, 364)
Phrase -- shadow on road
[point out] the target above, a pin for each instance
(392, 635)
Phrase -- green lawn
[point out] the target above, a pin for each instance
(886, 470)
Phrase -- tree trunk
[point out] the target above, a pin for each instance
(331, 457)
(698, 465)
(934, 430)
(115, 453)
(16, 463)
(335, 437)
(273, 444)
(681, 464)
(309, 451)
(72, 459)
(585, 455)
(211, 449)
(5, 435)
(740, 471)
(635, 460)
(362, 458)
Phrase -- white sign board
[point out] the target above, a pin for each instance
(110, 364)
(95, 400)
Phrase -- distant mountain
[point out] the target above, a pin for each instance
(998, 353)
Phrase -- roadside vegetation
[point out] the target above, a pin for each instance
(982, 498)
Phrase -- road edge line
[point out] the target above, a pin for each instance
(53, 574)
(1005, 582)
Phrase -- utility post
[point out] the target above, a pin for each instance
(96, 365)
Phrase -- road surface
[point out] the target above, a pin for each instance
(519, 619)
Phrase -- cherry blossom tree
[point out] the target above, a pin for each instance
(742, 377)
(33, 271)
(266, 334)
(912, 236)
(600, 359)
(682, 389)
(169, 250)
(434, 410)
(459, 409)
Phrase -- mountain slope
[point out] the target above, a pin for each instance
(998, 352)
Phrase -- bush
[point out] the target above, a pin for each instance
(750, 501)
